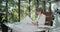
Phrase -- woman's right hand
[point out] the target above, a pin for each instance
(34, 23)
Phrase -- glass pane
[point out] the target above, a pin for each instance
(47, 7)
(12, 11)
(2, 11)
(24, 9)
(2, 5)
(33, 9)
(41, 4)
(3, 8)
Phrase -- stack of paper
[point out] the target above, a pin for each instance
(26, 20)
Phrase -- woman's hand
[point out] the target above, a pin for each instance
(34, 23)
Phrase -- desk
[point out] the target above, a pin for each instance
(21, 27)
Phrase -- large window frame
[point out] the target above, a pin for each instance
(19, 2)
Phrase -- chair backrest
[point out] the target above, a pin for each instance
(48, 14)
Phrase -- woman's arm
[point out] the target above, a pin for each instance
(36, 21)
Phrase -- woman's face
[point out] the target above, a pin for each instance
(39, 13)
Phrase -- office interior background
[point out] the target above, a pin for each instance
(16, 10)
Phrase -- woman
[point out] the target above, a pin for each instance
(41, 17)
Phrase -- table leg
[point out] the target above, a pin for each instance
(11, 30)
(4, 28)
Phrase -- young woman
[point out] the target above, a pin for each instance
(41, 17)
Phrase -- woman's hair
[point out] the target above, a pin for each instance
(39, 10)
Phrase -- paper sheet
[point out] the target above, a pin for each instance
(26, 20)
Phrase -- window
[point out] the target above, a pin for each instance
(24, 9)
(3, 8)
(12, 11)
(27, 8)
(2, 5)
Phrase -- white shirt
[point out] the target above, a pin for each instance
(41, 19)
